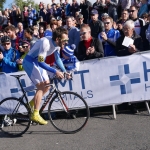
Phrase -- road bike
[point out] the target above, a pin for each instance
(68, 112)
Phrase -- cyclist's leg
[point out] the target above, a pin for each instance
(40, 78)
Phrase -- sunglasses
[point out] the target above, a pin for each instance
(131, 11)
(83, 33)
(4, 44)
(65, 40)
(80, 18)
(24, 46)
(1, 35)
(106, 22)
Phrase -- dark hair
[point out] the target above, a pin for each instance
(134, 7)
(58, 33)
(145, 15)
(125, 10)
(30, 30)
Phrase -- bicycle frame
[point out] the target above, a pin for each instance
(53, 90)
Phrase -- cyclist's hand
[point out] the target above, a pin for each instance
(59, 74)
(68, 75)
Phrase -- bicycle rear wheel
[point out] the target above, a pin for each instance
(76, 116)
(14, 117)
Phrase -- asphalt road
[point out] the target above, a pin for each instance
(127, 132)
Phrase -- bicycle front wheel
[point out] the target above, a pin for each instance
(68, 112)
(14, 117)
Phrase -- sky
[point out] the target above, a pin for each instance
(10, 2)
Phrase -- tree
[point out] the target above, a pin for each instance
(21, 3)
(2, 4)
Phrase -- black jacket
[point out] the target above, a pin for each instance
(99, 52)
(146, 45)
(123, 51)
(96, 28)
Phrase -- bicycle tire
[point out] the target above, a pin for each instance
(77, 113)
(14, 117)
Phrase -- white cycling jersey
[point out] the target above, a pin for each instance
(43, 47)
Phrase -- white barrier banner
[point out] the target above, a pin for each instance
(100, 81)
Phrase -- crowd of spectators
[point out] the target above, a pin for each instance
(96, 30)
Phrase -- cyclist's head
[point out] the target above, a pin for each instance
(60, 36)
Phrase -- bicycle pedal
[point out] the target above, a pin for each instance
(33, 123)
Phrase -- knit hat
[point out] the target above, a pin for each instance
(69, 50)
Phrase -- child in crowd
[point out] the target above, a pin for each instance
(25, 47)
(68, 58)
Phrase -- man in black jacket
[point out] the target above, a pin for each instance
(89, 47)
(137, 45)
(96, 25)
(121, 50)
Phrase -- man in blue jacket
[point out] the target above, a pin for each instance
(8, 57)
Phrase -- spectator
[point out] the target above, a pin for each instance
(74, 23)
(36, 31)
(80, 21)
(42, 22)
(129, 31)
(53, 25)
(143, 9)
(96, 25)
(138, 22)
(25, 16)
(53, 3)
(137, 46)
(20, 33)
(102, 8)
(74, 7)
(14, 15)
(49, 13)
(59, 10)
(145, 18)
(67, 8)
(28, 33)
(68, 58)
(125, 4)
(48, 31)
(59, 21)
(112, 8)
(124, 18)
(109, 38)
(30, 17)
(85, 10)
(25, 49)
(41, 32)
(145, 34)
(8, 57)
(11, 32)
(73, 33)
(89, 47)
(104, 16)
(1, 20)
(18, 15)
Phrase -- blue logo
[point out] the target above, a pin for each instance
(124, 79)
(16, 90)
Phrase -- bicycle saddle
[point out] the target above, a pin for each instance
(17, 76)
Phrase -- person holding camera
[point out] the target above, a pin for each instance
(8, 57)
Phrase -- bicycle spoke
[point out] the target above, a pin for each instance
(76, 116)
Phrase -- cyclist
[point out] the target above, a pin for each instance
(36, 68)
